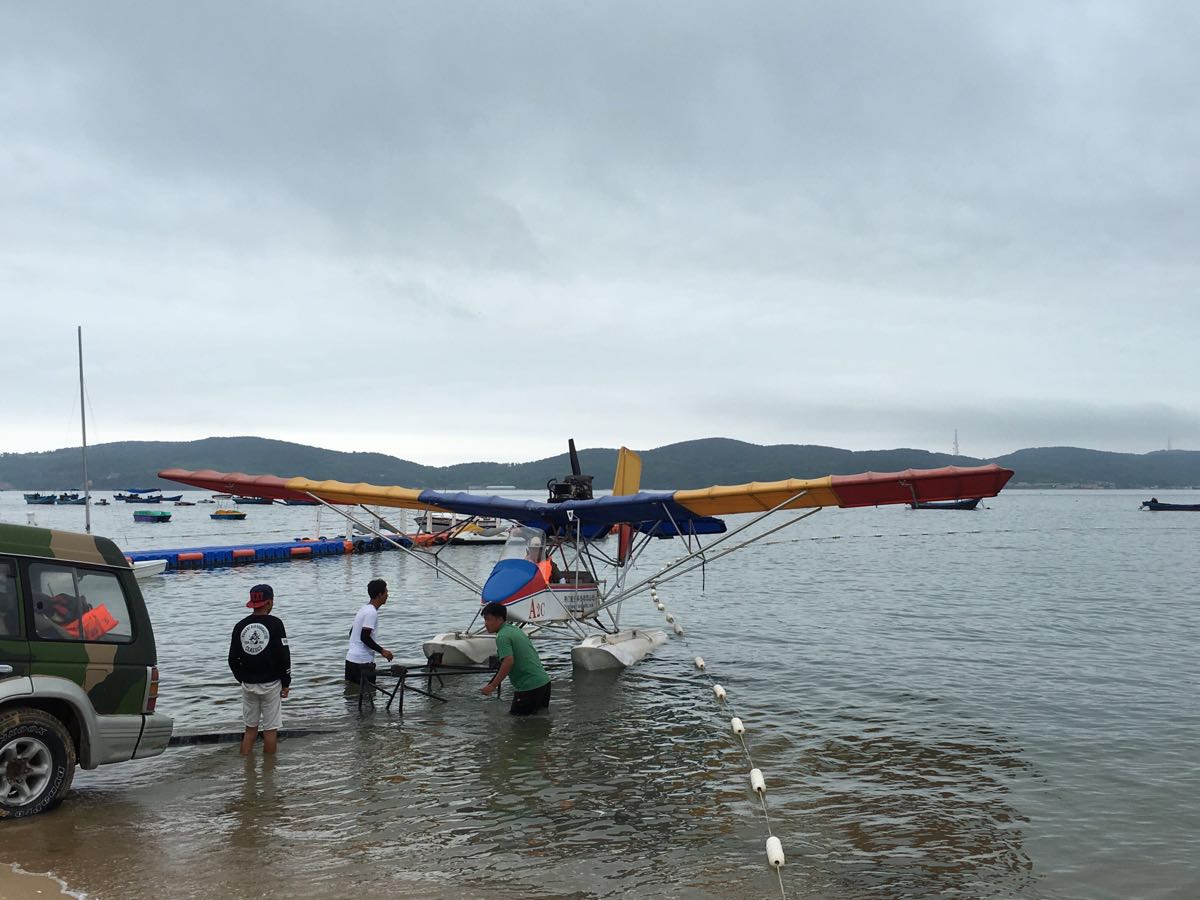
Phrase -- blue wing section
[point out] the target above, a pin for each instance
(653, 512)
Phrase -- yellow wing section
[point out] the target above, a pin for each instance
(341, 492)
(758, 496)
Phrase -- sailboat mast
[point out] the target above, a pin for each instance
(87, 491)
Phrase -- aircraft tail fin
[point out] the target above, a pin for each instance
(629, 473)
(626, 483)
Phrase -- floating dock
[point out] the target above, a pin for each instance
(279, 551)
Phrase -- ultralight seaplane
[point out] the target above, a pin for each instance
(549, 573)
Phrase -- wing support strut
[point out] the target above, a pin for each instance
(452, 573)
(658, 577)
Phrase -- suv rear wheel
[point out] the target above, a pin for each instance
(37, 762)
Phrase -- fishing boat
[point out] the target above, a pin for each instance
(41, 499)
(138, 495)
(1153, 505)
(253, 501)
(235, 514)
(184, 503)
(151, 515)
(174, 499)
(968, 503)
(301, 501)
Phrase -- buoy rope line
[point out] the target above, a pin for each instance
(910, 534)
(757, 783)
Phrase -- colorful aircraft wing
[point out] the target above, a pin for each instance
(663, 513)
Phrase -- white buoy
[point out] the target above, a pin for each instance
(774, 852)
(736, 724)
(670, 618)
(700, 663)
(756, 781)
(661, 608)
(719, 692)
(678, 629)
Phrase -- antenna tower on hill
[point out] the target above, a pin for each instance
(956, 442)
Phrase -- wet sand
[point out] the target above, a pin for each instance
(17, 884)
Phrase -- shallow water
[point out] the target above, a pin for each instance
(991, 704)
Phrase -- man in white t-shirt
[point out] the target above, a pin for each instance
(360, 655)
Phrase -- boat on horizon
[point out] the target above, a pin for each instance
(1153, 505)
(966, 503)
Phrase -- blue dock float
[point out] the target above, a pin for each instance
(278, 551)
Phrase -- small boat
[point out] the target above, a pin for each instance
(441, 528)
(969, 503)
(253, 501)
(222, 496)
(184, 503)
(206, 500)
(154, 499)
(174, 499)
(1154, 505)
(101, 502)
(151, 515)
(67, 497)
(307, 501)
(227, 514)
(41, 499)
(72, 501)
(146, 568)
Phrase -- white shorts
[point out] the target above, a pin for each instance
(260, 704)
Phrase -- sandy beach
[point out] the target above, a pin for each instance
(17, 884)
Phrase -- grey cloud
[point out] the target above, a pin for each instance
(677, 216)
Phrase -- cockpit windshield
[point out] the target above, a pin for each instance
(525, 542)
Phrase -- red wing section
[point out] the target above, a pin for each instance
(235, 483)
(919, 485)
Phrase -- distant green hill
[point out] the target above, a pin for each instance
(696, 463)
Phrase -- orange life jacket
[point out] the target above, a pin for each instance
(96, 623)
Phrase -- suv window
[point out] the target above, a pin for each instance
(10, 619)
(75, 604)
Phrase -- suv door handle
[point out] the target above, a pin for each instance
(5, 670)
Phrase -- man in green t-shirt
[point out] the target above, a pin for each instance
(519, 661)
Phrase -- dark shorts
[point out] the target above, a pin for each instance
(526, 703)
(357, 673)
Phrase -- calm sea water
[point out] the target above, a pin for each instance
(1002, 703)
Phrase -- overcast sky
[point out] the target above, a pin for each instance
(466, 231)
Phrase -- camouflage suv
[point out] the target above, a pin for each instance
(78, 673)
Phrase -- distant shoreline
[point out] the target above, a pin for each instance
(690, 464)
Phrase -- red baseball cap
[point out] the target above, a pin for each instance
(260, 595)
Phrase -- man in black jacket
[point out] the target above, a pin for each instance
(260, 660)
